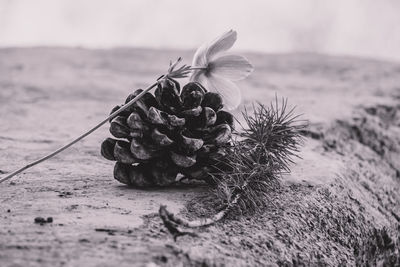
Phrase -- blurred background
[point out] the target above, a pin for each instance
(366, 28)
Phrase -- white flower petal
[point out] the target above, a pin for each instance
(229, 92)
(220, 70)
(208, 50)
(199, 58)
(232, 67)
(221, 44)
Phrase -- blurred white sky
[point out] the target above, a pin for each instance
(352, 27)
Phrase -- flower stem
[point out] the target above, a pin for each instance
(114, 114)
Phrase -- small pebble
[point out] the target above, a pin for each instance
(40, 220)
(163, 258)
(8, 210)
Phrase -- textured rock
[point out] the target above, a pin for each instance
(339, 205)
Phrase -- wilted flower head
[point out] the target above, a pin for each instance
(216, 70)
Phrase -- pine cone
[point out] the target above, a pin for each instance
(171, 132)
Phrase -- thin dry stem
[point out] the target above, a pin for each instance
(181, 72)
(78, 138)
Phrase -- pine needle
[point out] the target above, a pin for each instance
(268, 145)
(255, 162)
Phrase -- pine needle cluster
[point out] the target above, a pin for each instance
(254, 163)
(263, 152)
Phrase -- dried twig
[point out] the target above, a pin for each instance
(172, 227)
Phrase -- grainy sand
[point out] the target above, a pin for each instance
(336, 207)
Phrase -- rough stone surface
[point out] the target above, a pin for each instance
(340, 205)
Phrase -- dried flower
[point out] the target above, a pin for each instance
(217, 71)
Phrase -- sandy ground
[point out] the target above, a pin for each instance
(340, 205)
